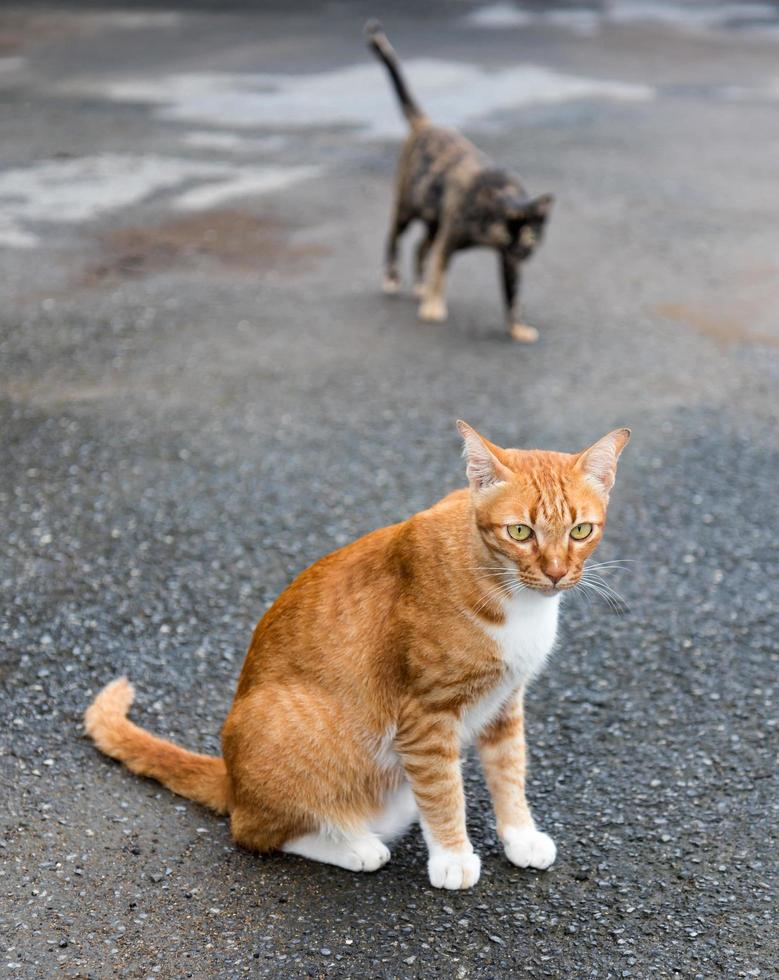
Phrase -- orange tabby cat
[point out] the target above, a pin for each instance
(372, 671)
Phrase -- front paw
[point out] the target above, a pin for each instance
(453, 869)
(529, 848)
(523, 333)
(432, 311)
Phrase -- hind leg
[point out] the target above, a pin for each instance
(433, 305)
(420, 256)
(355, 852)
(361, 851)
(401, 219)
(303, 779)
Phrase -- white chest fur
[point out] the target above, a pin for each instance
(525, 639)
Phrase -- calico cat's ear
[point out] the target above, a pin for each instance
(599, 462)
(484, 467)
(536, 209)
(541, 206)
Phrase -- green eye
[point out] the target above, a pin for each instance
(519, 532)
(581, 531)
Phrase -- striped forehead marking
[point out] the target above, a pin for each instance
(551, 506)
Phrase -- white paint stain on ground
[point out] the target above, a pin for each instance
(453, 93)
(500, 16)
(683, 15)
(261, 180)
(125, 20)
(211, 139)
(71, 191)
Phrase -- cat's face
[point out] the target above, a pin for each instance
(541, 514)
(526, 224)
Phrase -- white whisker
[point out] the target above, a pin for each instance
(605, 585)
(616, 565)
(505, 589)
(502, 591)
(612, 598)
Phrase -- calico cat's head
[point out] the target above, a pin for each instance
(541, 514)
(498, 213)
(525, 223)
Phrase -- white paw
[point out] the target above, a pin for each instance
(522, 333)
(390, 285)
(433, 311)
(529, 848)
(367, 854)
(453, 869)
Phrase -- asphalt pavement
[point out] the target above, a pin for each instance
(202, 390)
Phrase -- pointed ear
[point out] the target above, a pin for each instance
(542, 206)
(484, 468)
(599, 462)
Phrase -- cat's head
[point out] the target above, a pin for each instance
(541, 514)
(525, 224)
(498, 213)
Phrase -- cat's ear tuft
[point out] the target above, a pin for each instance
(599, 462)
(484, 469)
(542, 206)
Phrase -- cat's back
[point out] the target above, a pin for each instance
(434, 157)
(353, 597)
(342, 600)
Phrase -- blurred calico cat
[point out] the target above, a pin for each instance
(463, 199)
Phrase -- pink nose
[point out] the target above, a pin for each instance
(554, 570)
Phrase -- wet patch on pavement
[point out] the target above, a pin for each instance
(234, 239)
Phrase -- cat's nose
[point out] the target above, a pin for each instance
(554, 570)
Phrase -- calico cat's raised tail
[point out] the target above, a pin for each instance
(379, 41)
(462, 198)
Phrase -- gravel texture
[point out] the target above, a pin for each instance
(186, 423)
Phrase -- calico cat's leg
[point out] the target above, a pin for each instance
(420, 255)
(401, 219)
(428, 743)
(355, 852)
(511, 278)
(502, 751)
(433, 305)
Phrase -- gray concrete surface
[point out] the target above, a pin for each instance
(198, 400)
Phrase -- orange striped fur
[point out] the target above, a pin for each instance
(372, 670)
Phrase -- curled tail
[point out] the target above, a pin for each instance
(378, 40)
(202, 778)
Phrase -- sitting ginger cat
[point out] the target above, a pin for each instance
(378, 664)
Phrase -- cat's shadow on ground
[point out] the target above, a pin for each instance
(465, 324)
